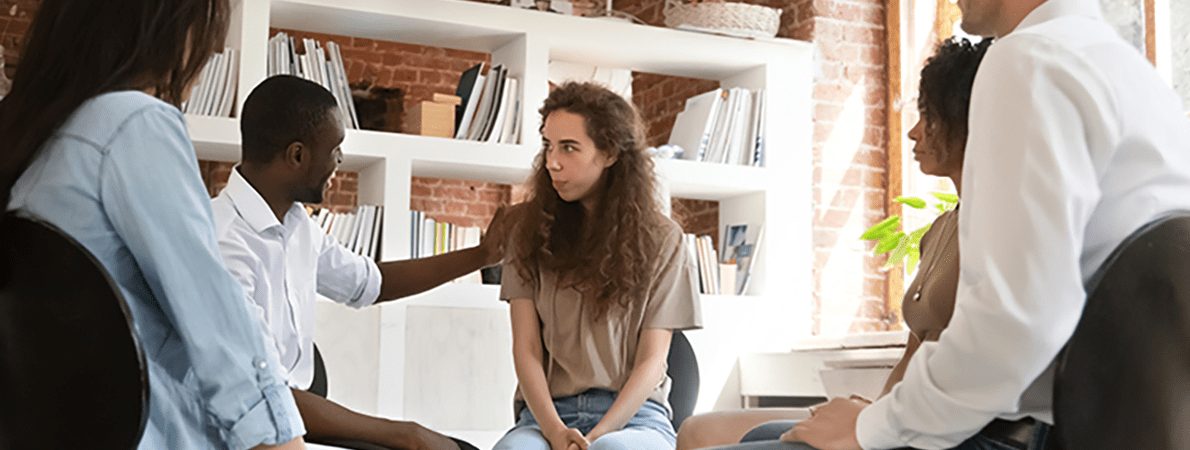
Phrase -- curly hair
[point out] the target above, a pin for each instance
(944, 97)
(607, 256)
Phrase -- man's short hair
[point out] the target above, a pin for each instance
(281, 110)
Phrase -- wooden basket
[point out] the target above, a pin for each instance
(735, 19)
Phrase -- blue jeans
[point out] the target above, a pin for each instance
(765, 437)
(648, 429)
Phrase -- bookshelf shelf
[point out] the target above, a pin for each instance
(777, 196)
(709, 181)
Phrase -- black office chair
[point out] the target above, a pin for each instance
(1123, 380)
(71, 368)
(683, 373)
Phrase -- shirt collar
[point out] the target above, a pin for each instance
(1053, 9)
(250, 205)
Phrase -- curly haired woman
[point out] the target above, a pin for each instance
(596, 278)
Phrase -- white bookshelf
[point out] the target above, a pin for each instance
(778, 195)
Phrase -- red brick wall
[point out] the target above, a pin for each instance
(463, 203)
(851, 165)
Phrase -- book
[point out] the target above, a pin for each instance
(377, 226)
(229, 84)
(475, 128)
(740, 246)
(502, 111)
(493, 110)
(429, 230)
(719, 131)
(740, 150)
(761, 124)
(692, 127)
(513, 120)
(468, 96)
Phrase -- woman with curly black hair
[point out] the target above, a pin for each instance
(597, 278)
(940, 137)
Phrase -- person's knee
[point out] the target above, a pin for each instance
(631, 439)
(611, 442)
(525, 438)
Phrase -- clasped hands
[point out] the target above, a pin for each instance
(831, 425)
(571, 438)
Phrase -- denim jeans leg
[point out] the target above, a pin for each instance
(768, 431)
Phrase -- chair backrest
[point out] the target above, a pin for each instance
(683, 373)
(1123, 380)
(71, 367)
(318, 386)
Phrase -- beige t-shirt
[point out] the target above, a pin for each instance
(581, 353)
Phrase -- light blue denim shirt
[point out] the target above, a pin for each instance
(121, 177)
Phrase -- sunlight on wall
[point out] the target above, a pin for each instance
(842, 294)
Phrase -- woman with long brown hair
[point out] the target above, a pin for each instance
(597, 279)
(94, 143)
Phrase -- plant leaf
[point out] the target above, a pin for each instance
(913, 202)
(946, 197)
(888, 243)
(882, 229)
(900, 252)
(914, 256)
(915, 236)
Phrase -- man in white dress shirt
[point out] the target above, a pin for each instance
(1074, 143)
(291, 130)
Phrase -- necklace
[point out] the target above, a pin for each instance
(936, 255)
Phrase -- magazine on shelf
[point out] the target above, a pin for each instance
(692, 128)
(723, 126)
(740, 246)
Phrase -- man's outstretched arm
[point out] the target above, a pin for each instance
(325, 419)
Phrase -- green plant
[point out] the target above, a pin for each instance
(902, 245)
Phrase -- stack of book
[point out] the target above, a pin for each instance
(490, 107)
(725, 126)
(726, 272)
(359, 230)
(430, 237)
(703, 248)
(216, 90)
(320, 65)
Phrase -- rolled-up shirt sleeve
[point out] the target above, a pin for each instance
(346, 277)
(1030, 188)
(170, 234)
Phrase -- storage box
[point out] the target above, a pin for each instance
(431, 119)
